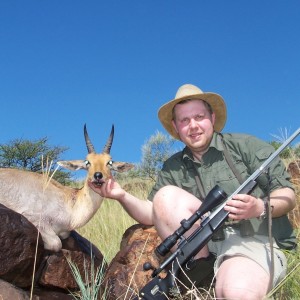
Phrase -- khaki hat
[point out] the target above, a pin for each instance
(189, 91)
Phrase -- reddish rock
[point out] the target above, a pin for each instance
(53, 278)
(42, 294)
(9, 292)
(294, 170)
(18, 238)
(57, 272)
(125, 275)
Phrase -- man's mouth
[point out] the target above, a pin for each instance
(195, 135)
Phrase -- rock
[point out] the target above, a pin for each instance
(9, 292)
(294, 170)
(42, 294)
(53, 277)
(18, 239)
(125, 275)
(57, 272)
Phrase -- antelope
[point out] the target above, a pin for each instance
(53, 208)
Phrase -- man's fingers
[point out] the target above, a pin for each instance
(235, 203)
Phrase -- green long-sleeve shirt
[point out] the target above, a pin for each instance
(247, 154)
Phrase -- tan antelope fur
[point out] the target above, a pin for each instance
(53, 208)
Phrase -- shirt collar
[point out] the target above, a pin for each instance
(215, 143)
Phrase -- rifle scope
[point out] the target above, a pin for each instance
(215, 197)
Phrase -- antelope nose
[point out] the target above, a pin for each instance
(98, 175)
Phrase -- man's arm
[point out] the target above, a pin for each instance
(282, 201)
(246, 206)
(139, 210)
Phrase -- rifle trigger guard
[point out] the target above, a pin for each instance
(188, 264)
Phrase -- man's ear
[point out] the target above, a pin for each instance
(213, 118)
(174, 125)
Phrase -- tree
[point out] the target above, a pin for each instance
(289, 152)
(286, 153)
(36, 156)
(155, 151)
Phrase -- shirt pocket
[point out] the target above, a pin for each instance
(261, 156)
(222, 175)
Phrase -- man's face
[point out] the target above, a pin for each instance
(194, 124)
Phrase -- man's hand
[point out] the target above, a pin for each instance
(109, 189)
(244, 207)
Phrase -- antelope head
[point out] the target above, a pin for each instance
(97, 165)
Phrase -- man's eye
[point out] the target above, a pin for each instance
(198, 117)
(185, 121)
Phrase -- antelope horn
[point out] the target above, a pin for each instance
(88, 143)
(109, 141)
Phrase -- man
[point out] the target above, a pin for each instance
(242, 266)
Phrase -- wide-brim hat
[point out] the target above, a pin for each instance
(189, 91)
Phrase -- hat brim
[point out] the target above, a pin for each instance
(216, 102)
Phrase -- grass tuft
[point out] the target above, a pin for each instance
(90, 284)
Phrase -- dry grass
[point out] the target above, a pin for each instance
(107, 227)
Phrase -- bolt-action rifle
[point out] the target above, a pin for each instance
(158, 288)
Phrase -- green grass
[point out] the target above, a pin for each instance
(106, 228)
(89, 291)
(289, 287)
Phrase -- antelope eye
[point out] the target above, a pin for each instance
(110, 164)
(87, 163)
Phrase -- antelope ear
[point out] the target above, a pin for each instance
(121, 167)
(73, 165)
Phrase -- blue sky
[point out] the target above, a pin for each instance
(69, 62)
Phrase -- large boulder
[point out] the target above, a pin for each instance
(22, 255)
(125, 274)
(56, 272)
(294, 170)
(21, 246)
(11, 292)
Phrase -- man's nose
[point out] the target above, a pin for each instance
(193, 122)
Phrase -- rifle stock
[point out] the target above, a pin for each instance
(158, 288)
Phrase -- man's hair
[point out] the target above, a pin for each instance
(207, 105)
